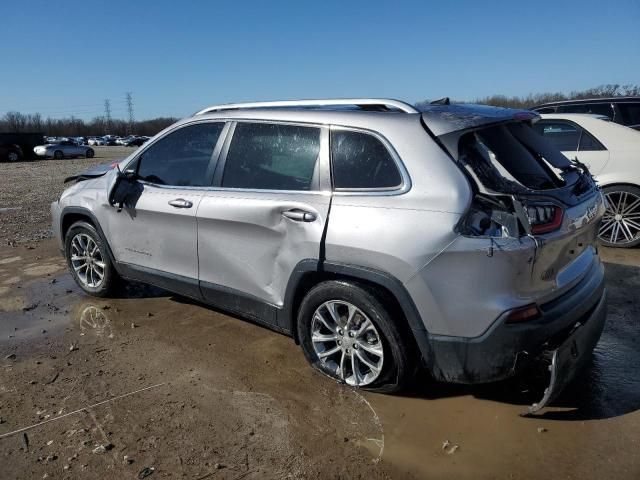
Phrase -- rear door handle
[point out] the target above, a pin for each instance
(180, 203)
(299, 215)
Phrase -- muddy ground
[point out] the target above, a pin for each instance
(151, 383)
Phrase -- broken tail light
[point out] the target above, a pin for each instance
(544, 218)
(489, 217)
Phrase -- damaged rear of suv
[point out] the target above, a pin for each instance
(528, 240)
(376, 235)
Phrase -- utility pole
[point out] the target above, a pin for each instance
(107, 116)
(130, 110)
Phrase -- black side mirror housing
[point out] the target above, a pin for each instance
(126, 189)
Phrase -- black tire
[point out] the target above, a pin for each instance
(58, 155)
(110, 279)
(397, 366)
(13, 156)
(89, 153)
(617, 229)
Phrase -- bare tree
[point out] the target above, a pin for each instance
(15, 122)
(533, 99)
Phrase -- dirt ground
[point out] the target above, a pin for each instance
(152, 384)
(28, 188)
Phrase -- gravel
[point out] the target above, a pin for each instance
(28, 188)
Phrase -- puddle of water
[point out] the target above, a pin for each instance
(39, 311)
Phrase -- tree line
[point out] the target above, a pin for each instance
(533, 99)
(16, 122)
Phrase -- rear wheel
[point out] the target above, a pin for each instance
(348, 334)
(13, 156)
(621, 222)
(89, 153)
(58, 155)
(88, 260)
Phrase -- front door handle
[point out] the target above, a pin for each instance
(299, 215)
(180, 203)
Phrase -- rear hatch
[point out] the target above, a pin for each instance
(524, 187)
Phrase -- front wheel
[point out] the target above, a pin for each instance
(621, 222)
(89, 153)
(58, 155)
(349, 335)
(88, 260)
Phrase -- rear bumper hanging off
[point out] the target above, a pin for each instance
(570, 356)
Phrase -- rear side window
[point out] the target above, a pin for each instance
(361, 161)
(592, 108)
(567, 136)
(272, 157)
(182, 157)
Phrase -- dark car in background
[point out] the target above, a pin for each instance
(18, 146)
(135, 142)
(622, 110)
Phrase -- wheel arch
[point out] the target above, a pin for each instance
(309, 273)
(618, 184)
(71, 215)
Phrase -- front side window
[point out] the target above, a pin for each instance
(591, 108)
(361, 161)
(182, 157)
(272, 157)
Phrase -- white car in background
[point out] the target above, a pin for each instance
(63, 149)
(96, 141)
(612, 153)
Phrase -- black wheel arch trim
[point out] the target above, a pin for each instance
(94, 221)
(286, 316)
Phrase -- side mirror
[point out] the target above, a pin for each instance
(126, 190)
(130, 174)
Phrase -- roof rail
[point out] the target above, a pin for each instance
(331, 102)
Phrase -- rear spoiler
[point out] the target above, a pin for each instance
(442, 119)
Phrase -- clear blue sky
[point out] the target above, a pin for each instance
(66, 57)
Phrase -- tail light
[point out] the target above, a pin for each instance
(544, 218)
(523, 314)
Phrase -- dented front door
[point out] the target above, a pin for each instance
(250, 242)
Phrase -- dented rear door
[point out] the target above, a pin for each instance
(266, 215)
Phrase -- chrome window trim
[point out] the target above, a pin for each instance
(400, 189)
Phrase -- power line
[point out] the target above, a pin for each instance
(129, 100)
(107, 116)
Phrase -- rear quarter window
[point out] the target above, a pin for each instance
(360, 161)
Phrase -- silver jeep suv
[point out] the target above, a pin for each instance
(378, 236)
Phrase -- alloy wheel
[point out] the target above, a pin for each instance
(87, 260)
(13, 157)
(347, 342)
(621, 221)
